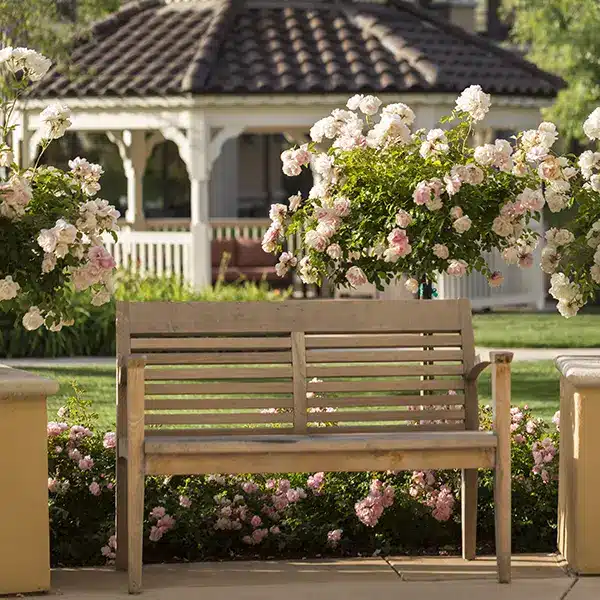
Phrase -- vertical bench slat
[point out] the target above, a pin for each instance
(299, 379)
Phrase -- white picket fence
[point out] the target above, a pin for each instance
(159, 253)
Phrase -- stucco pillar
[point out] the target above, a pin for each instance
(579, 484)
(25, 538)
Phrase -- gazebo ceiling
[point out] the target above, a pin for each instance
(193, 47)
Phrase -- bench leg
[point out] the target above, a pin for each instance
(121, 515)
(135, 527)
(502, 500)
(469, 513)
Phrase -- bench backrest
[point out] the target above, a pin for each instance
(318, 366)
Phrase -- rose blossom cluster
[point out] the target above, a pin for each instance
(110, 550)
(66, 245)
(334, 537)
(439, 499)
(87, 175)
(369, 509)
(543, 454)
(15, 195)
(568, 294)
(163, 523)
(32, 64)
(555, 238)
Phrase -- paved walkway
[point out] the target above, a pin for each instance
(521, 354)
(535, 577)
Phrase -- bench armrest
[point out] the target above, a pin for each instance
(477, 370)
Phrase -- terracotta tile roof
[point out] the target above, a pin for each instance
(175, 47)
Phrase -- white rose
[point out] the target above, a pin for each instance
(463, 224)
(511, 255)
(6, 157)
(457, 268)
(595, 273)
(441, 251)
(49, 262)
(595, 182)
(295, 202)
(334, 251)
(33, 319)
(559, 237)
(567, 309)
(591, 126)
(555, 201)
(402, 110)
(475, 102)
(101, 297)
(369, 105)
(356, 277)
(354, 102)
(278, 212)
(315, 239)
(502, 226)
(56, 119)
(403, 219)
(47, 240)
(550, 259)
(8, 288)
(485, 155)
(412, 285)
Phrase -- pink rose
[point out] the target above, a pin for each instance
(86, 463)
(334, 537)
(356, 277)
(52, 484)
(185, 502)
(403, 219)
(457, 268)
(456, 212)
(526, 261)
(100, 257)
(158, 512)
(316, 240)
(95, 488)
(341, 206)
(496, 279)
(422, 193)
(256, 521)
(110, 440)
(250, 487)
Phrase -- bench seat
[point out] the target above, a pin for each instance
(337, 442)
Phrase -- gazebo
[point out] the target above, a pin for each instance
(205, 73)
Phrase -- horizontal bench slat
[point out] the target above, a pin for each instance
(314, 316)
(335, 429)
(407, 400)
(175, 389)
(382, 370)
(385, 415)
(225, 418)
(338, 442)
(281, 372)
(376, 355)
(218, 403)
(389, 385)
(384, 340)
(217, 431)
(208, 343)
(219, 358)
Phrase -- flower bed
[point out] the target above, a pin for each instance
(289, 515)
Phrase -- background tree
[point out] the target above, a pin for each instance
(561, 36)
(49, 26)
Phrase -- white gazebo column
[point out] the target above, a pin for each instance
(133, 151)
(198, 161)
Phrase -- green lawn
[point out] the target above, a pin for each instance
(534, 383)
(536, 330)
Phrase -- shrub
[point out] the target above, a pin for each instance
(288, 515)
(93, 333)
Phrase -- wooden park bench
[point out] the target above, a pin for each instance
(195, 381)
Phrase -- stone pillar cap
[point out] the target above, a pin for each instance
(580, 371)
(16, 382)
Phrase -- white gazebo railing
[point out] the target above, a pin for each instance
(158, 253)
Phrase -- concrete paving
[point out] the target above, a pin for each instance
(535, 577)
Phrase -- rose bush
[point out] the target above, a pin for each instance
(389, 202)
(51, 224)
(289, 515)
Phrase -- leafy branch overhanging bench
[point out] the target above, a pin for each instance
(195, 382)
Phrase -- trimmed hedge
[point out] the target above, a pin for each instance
(94, 331)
